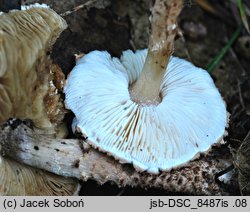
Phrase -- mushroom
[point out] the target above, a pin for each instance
(28, 76)
(147, 108)
(18, 179)
(29, 89)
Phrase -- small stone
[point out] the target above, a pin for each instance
(194, 30)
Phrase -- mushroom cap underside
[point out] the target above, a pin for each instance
(18, 179)
(191, 117)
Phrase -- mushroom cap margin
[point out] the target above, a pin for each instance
(191, 117)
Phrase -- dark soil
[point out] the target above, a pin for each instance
(116, 25)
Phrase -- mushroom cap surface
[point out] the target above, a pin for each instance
(191, 117)
(26, 70)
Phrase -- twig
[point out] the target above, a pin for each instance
(81, 6)
(121, 192)
(243, 14)
(247, 136)
(236, 60)
(204, 4)
(240, 95)
(185, 46)
(65, 157)
(235, 140)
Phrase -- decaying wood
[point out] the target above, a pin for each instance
(67, 158)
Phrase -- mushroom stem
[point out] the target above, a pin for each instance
(65, 157)
(146, 89)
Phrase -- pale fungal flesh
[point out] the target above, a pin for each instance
(191, 117)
